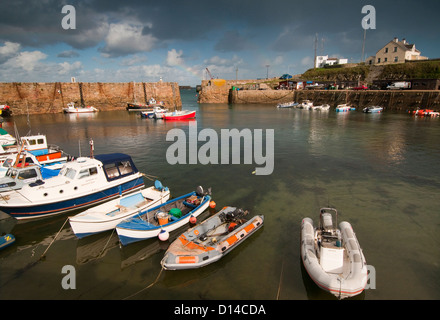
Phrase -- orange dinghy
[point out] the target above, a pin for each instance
(209, 241)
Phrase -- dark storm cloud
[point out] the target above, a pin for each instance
(286, 25)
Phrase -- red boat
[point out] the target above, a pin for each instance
(425, 112)
(179, 115)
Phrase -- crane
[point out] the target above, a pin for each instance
(209, 73)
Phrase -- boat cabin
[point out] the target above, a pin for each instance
(117, 165)
(16, 178)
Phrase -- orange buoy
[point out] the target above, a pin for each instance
(193, 220)
(212, 204)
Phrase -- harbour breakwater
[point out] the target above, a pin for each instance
(389, 99)
(41, 97)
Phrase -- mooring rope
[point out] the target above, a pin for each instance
(281, 277)
(147, 287)
(103, 249)
(53, 240)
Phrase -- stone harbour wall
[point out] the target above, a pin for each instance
(388, 99)
(37, 98)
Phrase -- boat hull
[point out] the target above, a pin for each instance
(111, 213)
(196, 249)
(6, 241)
(31, 211)
(346, 285)
(130, 231)
(189, 115)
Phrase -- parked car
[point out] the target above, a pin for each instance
(286, 76)
(361, 88)
(401, 85)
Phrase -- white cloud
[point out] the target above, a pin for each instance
(8, 50)
(174, 58)
(27, 60)
(123, 39)
(69, 69)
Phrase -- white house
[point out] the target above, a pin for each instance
(396, 51)
(322, 61)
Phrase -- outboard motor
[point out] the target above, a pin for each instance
(200, 192)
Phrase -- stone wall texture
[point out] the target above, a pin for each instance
(389, 99)
(33, 98)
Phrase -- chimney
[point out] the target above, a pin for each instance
(396, 40)
(404, 41)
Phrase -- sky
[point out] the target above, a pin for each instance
(176, 40)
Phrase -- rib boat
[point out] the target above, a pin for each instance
(209, 241)
(333, 257)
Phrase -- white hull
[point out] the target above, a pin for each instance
(352, 277)
(106, 216)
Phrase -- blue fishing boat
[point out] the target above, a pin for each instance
(6, 240)
(166, 217)
(81, 183)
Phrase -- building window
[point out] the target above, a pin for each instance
(395, 49)
(386, 50)
(378, 60)
(396, 59)
(385, 60)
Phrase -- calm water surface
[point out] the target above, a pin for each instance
(379, 171)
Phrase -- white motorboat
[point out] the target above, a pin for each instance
(333, 257)
(373, 109)
(72, 109)
(323, 107)
(344, 108)
(306, 105)
(287, 105)
(81, 183)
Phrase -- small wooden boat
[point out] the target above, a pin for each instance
(6, 240)
(81, 183)
(344, 108)
(373, 109)
(169, 216)
(333, 257)
(107, 215)
(72, 109)
(211, 240)
(179, 115)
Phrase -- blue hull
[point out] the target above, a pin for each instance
(137, 223)
(6, 241)
(43, 210)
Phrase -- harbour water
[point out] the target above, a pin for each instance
(379, 170)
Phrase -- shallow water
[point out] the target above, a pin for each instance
(379, 170)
